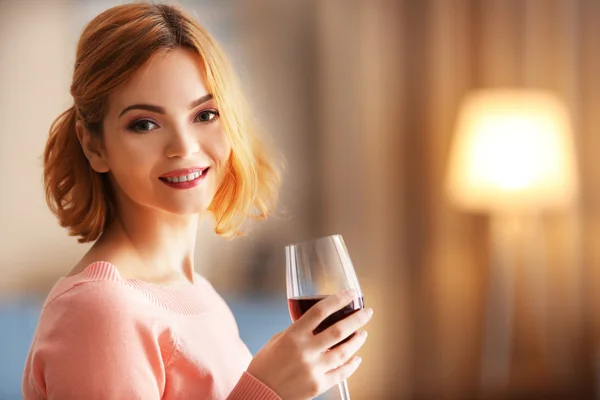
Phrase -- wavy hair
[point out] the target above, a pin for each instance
(112, 48)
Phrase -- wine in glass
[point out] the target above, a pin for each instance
(315, 270)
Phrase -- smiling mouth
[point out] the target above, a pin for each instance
(192, 176)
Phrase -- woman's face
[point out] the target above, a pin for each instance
(163, 142)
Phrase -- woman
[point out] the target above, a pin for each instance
(158, 137)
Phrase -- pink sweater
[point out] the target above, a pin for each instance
(104, 337)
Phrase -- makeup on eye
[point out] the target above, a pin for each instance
(143, 125)
(137, 126)
(213, 114)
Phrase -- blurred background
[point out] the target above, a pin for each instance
(452, 143)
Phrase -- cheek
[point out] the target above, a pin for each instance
(220, 150)
(130, 162)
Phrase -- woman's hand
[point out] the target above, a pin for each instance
(298, 364)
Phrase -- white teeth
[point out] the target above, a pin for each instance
(185, 178)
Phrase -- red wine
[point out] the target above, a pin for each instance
(298, 306)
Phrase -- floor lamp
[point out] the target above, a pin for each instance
(512, 158)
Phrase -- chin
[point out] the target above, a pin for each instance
(187, 207)
(190, 209)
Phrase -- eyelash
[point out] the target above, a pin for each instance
(132, 126)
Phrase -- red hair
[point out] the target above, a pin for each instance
(112, 48)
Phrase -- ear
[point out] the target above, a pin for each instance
(92, 148)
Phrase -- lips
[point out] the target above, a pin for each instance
(185, 178)
(184, 175)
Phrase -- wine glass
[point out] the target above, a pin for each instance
(315, 270)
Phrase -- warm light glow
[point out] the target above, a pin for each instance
(512, 151)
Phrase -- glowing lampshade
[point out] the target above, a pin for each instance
(512, 152)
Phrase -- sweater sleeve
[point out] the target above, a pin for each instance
(250, 388)
(91, 344)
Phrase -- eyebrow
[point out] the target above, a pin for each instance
(161, 110)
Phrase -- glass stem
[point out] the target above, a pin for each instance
(344, 393)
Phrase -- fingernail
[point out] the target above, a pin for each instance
(369, 312)
(363, 334)
(358, 360)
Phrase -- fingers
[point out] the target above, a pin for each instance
(340, 355)
(342, 329)
(324, 308)
(343, 372)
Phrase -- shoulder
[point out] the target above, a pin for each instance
(209, 293)
(99, 286)
(216, 304)
(96, 298)
(93, 310)
(98, 326)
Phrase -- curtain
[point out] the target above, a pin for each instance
(390, 75)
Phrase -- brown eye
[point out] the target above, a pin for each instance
(142, 126)
(207, 116)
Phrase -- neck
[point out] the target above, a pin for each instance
(152, 244)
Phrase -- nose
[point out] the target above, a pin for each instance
(182, 143)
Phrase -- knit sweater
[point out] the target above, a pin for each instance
(101, 336)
